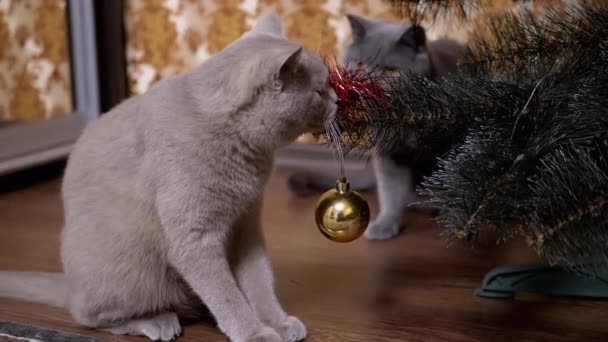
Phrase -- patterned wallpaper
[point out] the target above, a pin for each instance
(34, 65)
(169, 36)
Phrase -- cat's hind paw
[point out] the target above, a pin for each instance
(291, 329)
(383, 230)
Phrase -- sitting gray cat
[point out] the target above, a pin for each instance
(394, 49)
(163, 196)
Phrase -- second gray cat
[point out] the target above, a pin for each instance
(394, 49)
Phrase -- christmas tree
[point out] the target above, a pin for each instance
(520, 133)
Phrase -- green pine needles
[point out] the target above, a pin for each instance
(520, 133)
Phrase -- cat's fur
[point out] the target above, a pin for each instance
(163, 196)
(394, 49)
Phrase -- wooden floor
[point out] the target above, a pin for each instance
(412, 288)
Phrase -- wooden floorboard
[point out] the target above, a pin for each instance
(412, 288)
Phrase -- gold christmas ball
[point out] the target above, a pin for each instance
(342, 215)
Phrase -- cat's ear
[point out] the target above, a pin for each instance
(414, 37)
(358, 25)
(289, 63)
(269, 23)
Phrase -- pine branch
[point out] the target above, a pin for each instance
(568, 219)
(478, 185)
(463, 11)
(520, 133)
(513, 41)
(483, 182)
(418, 10)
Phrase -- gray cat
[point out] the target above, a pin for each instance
(394, 49)
(163, 195)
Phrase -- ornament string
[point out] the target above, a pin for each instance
(333, 132)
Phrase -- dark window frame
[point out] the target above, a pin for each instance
(111, 52)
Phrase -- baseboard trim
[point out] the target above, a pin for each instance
(28, 144)
(33, 159)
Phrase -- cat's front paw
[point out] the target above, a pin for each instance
(291, 329)
(265, 334)
(383, 229)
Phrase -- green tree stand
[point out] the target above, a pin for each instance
(505, 281)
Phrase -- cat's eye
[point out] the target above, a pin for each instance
(360, 65)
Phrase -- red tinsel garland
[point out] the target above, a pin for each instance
(357, 91)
